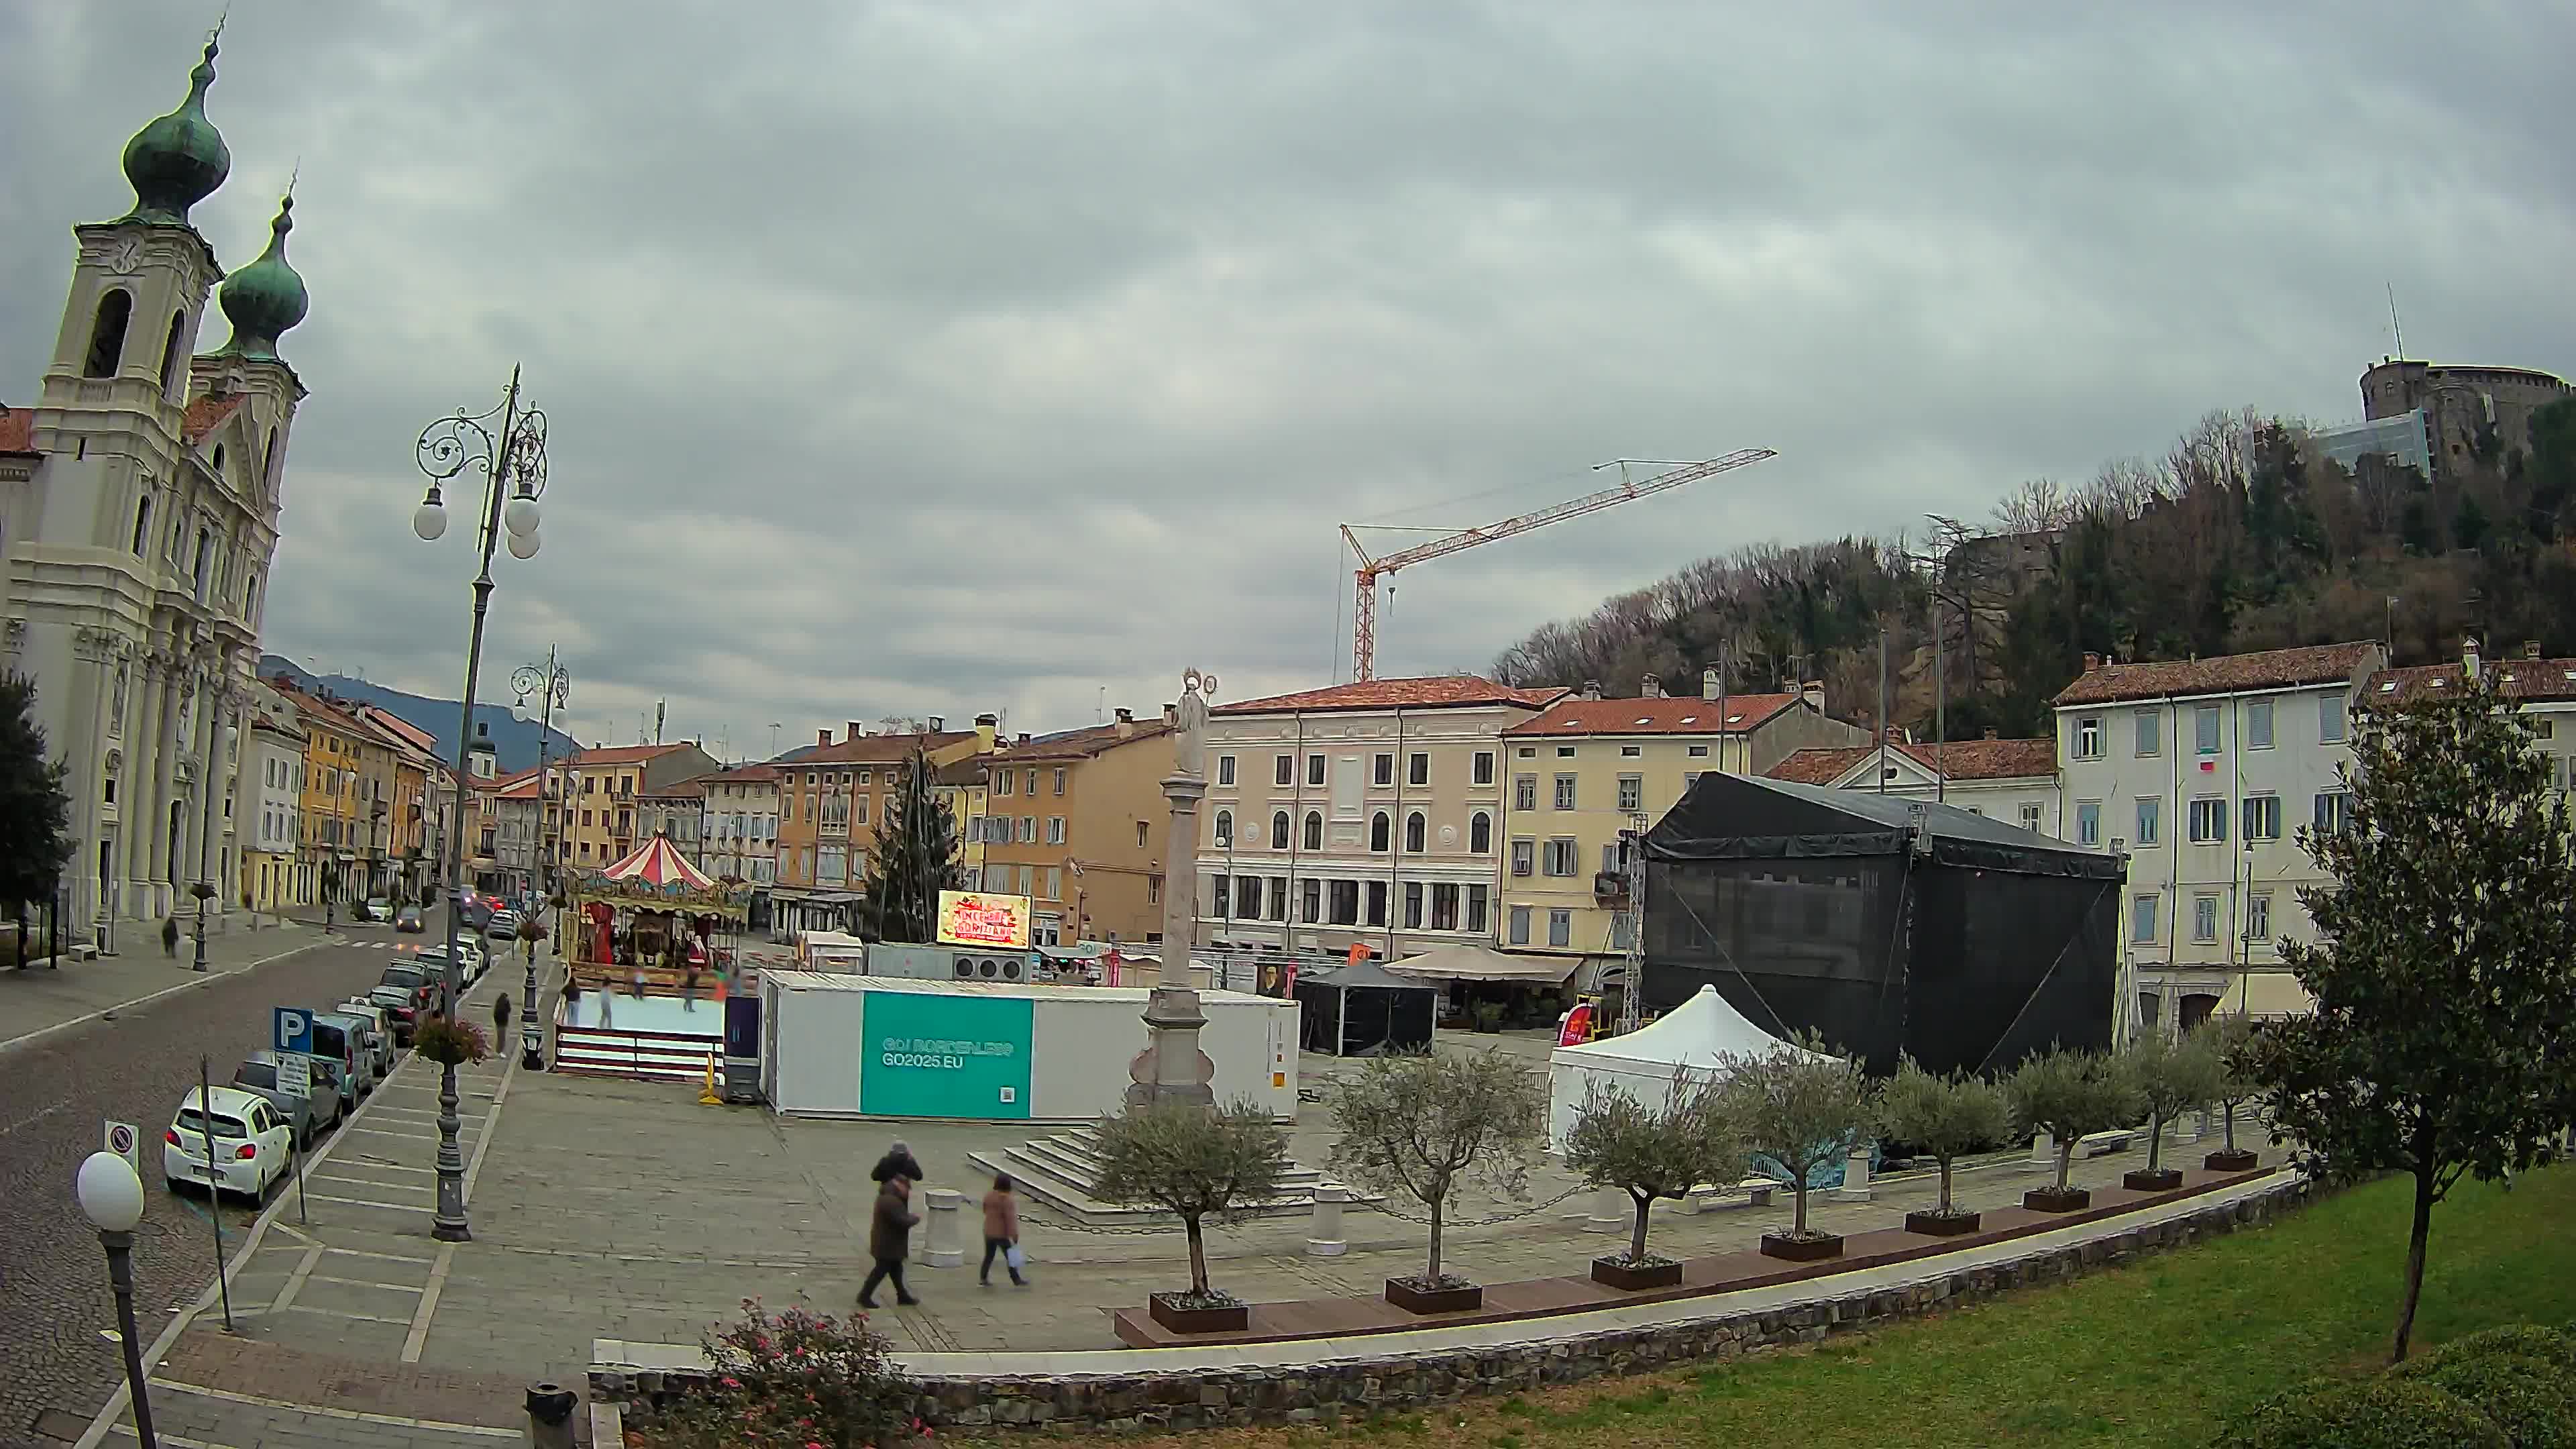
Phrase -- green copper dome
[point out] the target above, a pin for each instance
(267, 297)
(179, 159)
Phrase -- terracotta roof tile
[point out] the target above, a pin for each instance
(17, 430)
(1441, 691)
(1080, 744)
(1965, 760)
(747, 775)
(2226, 674)
(1666, 716)
(208, 413)
(881, 749)
(2529, 679)
(623, 754)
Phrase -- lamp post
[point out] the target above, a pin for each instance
(513, 464)
(556, 684)
(111, 1197)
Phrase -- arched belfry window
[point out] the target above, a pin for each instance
(107, 334)
(170, 352)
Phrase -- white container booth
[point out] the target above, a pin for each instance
(873, 1046)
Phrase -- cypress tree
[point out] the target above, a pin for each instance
(35, 813)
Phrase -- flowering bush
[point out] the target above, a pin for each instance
(450, 1043)
(796, 1378)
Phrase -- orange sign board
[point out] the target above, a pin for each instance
(977, 918)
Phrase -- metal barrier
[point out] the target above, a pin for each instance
(645, 1056)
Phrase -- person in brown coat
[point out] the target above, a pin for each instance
(1001, 1230)
(889, 1237)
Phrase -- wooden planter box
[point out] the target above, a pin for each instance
(1232, 1318)
(1618, 1273)
(2161, 1179)
(1801, 1250)
(1411, 1299)
(1937, 1225)
(2051, 1200)
(2223, 1160)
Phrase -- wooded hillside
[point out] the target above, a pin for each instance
(2240, 537)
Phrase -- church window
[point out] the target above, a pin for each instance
(107, 334)
(142, 523)
(170, 352)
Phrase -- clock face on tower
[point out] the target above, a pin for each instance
(125, 256)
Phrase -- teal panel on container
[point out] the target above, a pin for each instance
(931, 1054)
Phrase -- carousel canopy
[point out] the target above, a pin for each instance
(657, 865)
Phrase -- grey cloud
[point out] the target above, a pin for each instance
(934, 358)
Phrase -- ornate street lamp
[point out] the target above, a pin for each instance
(555, 682)
(513, 463)
(111, 1197)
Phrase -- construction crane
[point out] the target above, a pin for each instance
(1364, 614)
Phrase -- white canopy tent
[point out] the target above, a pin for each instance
(1692, 1037)
(1469, 962)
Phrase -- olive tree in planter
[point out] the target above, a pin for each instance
(2068, 1094)
(1803, 1108)
(2171, 1077)
(1649, 1153)
(1946, 1118)
(1194, 1164)
(1422, 1124)
(2229, 1040)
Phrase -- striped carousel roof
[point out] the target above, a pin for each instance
(658, 865)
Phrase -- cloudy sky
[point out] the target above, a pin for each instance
(933, 358)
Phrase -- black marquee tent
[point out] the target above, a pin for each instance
(1888, 925)
(1363, 1010)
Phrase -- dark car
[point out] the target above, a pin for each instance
(400, 1012)
(415, 978)
(407, 920)
(309, 1116)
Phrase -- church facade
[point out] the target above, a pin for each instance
(139, 499)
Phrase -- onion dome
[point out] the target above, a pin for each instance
(264, 299)
(179, 159)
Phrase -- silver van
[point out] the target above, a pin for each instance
(342, 1042)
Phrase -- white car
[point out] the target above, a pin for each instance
(470, 960)
(251, 1144)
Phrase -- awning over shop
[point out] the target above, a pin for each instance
(1467, 962)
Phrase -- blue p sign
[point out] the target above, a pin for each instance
(291, 1030)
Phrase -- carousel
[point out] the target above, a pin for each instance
(655, 917)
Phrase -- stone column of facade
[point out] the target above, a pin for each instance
(208, 858)
(95, 672)
(1171, 1067)
(171, 689)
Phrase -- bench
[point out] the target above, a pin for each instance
(1756, 1192)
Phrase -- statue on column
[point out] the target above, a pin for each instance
(1189, 742)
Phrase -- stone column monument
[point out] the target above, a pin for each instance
(1171, 1067)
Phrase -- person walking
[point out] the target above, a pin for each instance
(170, 937)
(1001, 1232)
(898, 1162)
(889, 1238)
(689, 987)
(500, 1019)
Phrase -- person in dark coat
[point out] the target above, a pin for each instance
(898, 1162)
(500, 1019)
(889, 1238)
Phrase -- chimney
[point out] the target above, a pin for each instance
(1990, 732)
(2530, 648)
(1813, 692)
(1171, 715)
(939, 724)
(1650, 687)
(2469, 657)
(1024, 737)
(1708, 685)
(988, 729)
(2092, 661)
(822, 737)
(856, 731)
(1591, 689)
(1127, 723)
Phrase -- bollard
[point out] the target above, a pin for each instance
(2188, 1126)
(1325, 1239)
(940, 1247)
(1855, 1186)
(1611, 1212)
(2043, 1152)
(550, 1409)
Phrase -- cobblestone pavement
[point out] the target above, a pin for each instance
(54, 1096)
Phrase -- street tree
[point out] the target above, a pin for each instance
(1423, 1123)
(2230, 1041)
(35, 813)
(2443, 1042)
(1653, 1152)
(2069, 1095)
(1946, 1118)
(1194, 1164)
(1802, 1107)
(915, 859)
(2171, 1078)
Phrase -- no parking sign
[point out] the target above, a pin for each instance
(126, 1142)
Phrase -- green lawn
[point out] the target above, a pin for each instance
(2160, 1352)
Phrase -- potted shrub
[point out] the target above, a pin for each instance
(2171, 1078)
(1803, 1108)
(2229, 1038)
(797, 1377)
(1422, 1124)
(1193, 1163)
(2068, 1094)
(450, 1042)
(1488, 1016)
(1649, 1153)
(1946, 1118)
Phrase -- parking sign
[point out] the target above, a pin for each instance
(125, 1142)
(295, 1074)
(291, 1029)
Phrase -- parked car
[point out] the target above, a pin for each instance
(408, 921)
(473, 907)
(401, 1016)
(342, 1040)
(249, 1143)
(420, 980)
(504, 926)
(310, 1115)
(378, 908)
(469, 963)
(380, 1032)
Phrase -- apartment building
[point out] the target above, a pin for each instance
(2202, 771)
(965, 787)
(1584, 771)
(1368, 813)
(2009, 780)
(413, 851)
(2543, 689)
(601, 786)
(1076, 821)
(676, 811)
(272, 878)
(833, 799)
(329, 808)
(741, 829)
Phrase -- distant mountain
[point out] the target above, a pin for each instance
(514, 740)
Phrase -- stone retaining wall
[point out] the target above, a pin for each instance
(1398, 1381)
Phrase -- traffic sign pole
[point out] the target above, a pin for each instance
(215, 1182)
